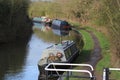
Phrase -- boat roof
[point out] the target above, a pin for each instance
(62, 46)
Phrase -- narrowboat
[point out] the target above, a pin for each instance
(41, 23)
(41, 19)
(64, 52)
(60, 27)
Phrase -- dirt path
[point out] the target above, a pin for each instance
(96, 54)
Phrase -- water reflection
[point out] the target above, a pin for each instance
(38, 25)
(11, 58)
(18, 62)
(49, 36)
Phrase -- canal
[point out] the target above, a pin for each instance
(18, 60)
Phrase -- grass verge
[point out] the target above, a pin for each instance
(88, 46)
(105, 45)
(105, 62)
(85, 54)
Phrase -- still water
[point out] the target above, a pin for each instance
(18, 60)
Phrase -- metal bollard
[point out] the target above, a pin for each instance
(106, 74)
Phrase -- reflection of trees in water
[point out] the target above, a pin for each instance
(14, 21)
(49, 36)
(12, 57)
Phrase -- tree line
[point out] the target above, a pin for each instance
(104, 14)
(13, 19)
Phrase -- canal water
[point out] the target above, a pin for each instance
(18, 60)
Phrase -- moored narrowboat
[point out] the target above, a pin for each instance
(60, 27)
(42, 19)
(65, 52)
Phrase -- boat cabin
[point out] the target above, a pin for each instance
(60, 27)
(64, 52)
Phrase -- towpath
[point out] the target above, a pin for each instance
(95, 54)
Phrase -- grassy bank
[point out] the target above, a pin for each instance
(105, 62)
(104, 43)
(105, 46)
(86, 52)
(88, 46)
(85, 55)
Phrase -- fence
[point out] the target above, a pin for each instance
(69, 71)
